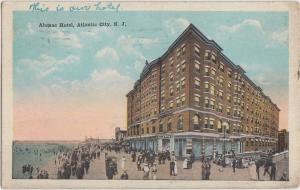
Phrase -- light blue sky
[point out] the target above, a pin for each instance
(65, 57)
(249, 39)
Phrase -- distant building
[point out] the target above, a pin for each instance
(192, 97)
(120, 134)
(283, 140)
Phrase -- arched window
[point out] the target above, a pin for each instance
(180, 123)
(220, 126)
(161, 126)
(196, 122)
(169, 125)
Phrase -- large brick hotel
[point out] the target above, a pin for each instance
(192, 97)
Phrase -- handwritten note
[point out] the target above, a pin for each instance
(95, 6)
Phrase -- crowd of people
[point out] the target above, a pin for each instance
(77, 161)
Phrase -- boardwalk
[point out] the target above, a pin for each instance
(97, 171)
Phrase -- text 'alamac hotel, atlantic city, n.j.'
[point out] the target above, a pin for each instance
(192, 97)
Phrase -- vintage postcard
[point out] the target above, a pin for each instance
(117, 94)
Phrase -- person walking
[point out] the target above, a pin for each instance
(154, 171)
(110, 171)
(273, 172)
(172, 167)
(123, 161)
(87, 165)
(233, 165)
(146, 172)
(185, 164)
(257, 165)
(175, 167)
(124, 175)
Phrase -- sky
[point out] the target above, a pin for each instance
(71, 83)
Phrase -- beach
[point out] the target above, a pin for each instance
(39, 154)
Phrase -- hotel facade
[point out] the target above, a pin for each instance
(194, 99)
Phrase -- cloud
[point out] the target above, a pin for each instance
(260, 79)
(30, 29)
(272, 38)
(278, 37)
(107, 53)
(176, 25)
(68, 40)
(236, 27)
(96, 33)
(44, 65)
(132, 45)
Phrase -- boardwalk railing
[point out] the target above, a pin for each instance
(280, 156)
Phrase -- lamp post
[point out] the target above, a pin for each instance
(224, 126)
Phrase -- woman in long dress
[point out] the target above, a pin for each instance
(123, 161)
(175, 168)
(185, 162)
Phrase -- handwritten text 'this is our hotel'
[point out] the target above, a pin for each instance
(95, 6)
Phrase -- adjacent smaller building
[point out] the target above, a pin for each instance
(283, 140)
(120, 134)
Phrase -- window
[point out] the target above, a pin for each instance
(221, 81)
(182, 83)
(229, 85)
(197, 65)
(206, 70)
(180, 123)
(142, 130)
(229, 73)
(177, 102)
(221, 67)
(171, 61)
(196, 122)
(212, 104)
(182, 49)
(212, 89)
(197, 83)
(206, 102)
(220, 126)
(153, 129)
(171, 105)
(171, 91)
(162, 95)
(162, 108)
(182, 99)
(197, 99)
(197, 49)
(161, 126)
(178, 52)
(169, 126)
(207, 55)
(221, 94)
(177, 86)
(213, 57)
(183, 65)
(147, 130)
(228, 111)
(211, 123)
(171, 76)
(213, 72)
(220, 108)
(206, 122)
(229, 98)
(206, 86)
(178, 68)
